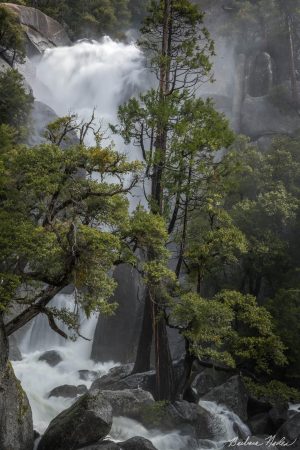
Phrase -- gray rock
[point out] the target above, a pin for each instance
(261, 75)
(116, 336)
(137, 443)
(232, 394)
(128, 403)
(189, 418)
(261, 424)
(68, 391)
(208, 379)
(290, 431)
(257, 406)
(260, 117)
(279, 414)
(42, 31)
(14, 351)
(41, 115)
(116, 381)
(87, 375)
(51, 357)
(83, 424)
(16, 428)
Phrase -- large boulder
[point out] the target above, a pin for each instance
(187, 417)
(119, 378)
(84, 423)
(41, 30)
(16, 428)
(208, 379)
(232, 394)
(51, 357)
(68, 391)
(289, 433)
(128, 403)
(116, 336)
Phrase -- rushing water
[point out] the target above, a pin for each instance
(78, 79)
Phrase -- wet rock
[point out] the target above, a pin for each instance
(16, 428)
(144, 381)
(260, 118)
(113, 376)
(232, 394)
(261, 75)
(116, 337)
(137, 443)
(14, 352)
(279, 414)
(83, 424)
(257, 406)
(290, 431)
(87, 375)
(208, 379)
(128, 403)
(187, 417)
(51, 357)
(261, 424)
(68, 391)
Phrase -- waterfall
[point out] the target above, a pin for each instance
(77, 79)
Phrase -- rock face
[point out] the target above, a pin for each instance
(40, 116)
(51, 357)
(84, 423)
(260, 117)
(41, 30)
(14, 352)
(68, 391)
(290, 431)
(16, 428)
(232, 394)
(261, 75)
(116, 336)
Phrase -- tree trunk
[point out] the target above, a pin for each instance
(185, 380)
(294, 87)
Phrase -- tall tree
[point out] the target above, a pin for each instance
(178, 48)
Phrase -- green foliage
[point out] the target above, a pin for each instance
(230, 328)
(15, 101)
(275, 392)
(11, 36)
(86, 18)
(285, 308)
(58, 227)
(213, 241)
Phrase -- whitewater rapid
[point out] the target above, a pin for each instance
(90, 76)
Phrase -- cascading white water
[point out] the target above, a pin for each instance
(88, 75)
(78, 79)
